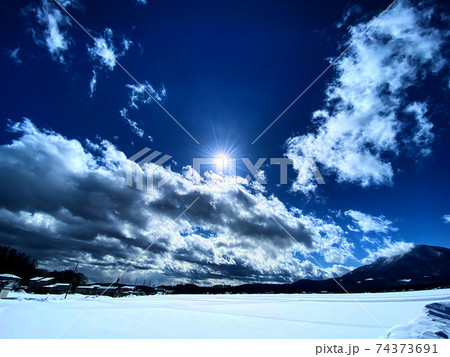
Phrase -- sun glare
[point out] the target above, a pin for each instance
(221, 162)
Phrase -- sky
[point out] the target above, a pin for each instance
(87, 87)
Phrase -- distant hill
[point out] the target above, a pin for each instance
(423, 267)
(421, 264)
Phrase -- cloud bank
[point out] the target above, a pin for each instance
(63, 201)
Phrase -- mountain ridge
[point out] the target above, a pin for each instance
(423, 267)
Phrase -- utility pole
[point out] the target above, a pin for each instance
(73, 277)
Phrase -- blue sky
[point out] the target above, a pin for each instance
(375, 123)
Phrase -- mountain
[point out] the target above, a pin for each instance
(420, 264)
(421, 268)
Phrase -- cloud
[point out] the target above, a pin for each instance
(366, 113)
(134, 126)
(139, 94)
(422, 136)
(105, 52)
(50, 29)
(388, 249)
(446, 218)
(64, 202)
(14, 55)
(93, 83)
(329, 239)
(312, 270)
(368, 223)
(369, 240)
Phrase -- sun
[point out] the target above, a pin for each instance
(221, 161)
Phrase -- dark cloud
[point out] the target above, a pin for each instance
(62, 203)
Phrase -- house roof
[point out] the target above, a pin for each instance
(9, 276)
(101, 287)
(57, 285)
(41, 279)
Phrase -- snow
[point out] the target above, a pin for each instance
(57, 285)
(216, 316)
(433, 322)
(9, 276)
(41, 279)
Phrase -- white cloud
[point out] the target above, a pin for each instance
(126, 43)
(104, 50)
(366, 105)
(388, 249)
(139, 94)
(368, 223)
(14, 55)
(71, 202)
(309, 269)
(134, 126)
(329, 239)
(369, 240)
(422, 136)
(93, 83)
(446, 218)
(51, 27)
(105, 53)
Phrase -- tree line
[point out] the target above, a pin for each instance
(26, 267)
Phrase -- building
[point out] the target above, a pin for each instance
(85, 290)
(161, 291)
(8, 282)
(127, 290)
(97, 290)
(112, 291)
(39, 282)
(58, 288)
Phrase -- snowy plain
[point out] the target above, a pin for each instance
(215, 316)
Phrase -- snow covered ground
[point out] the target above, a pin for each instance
(433, 322)
(221, 316)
